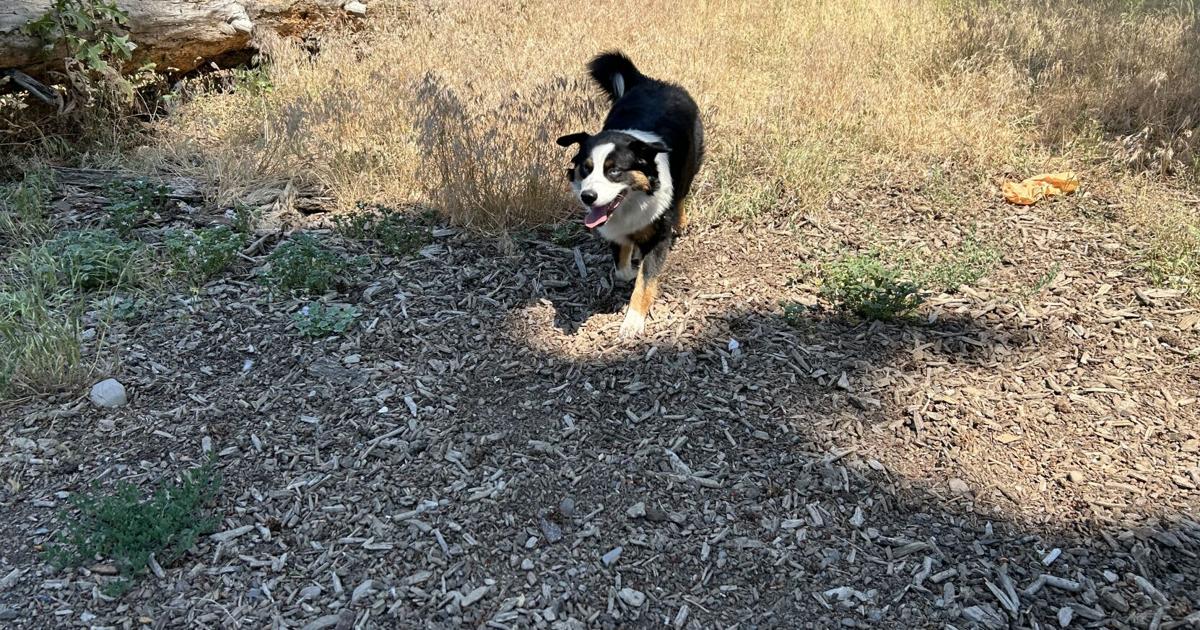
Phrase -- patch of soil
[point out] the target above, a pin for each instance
(484, 451)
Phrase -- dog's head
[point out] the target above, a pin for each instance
(610, 169)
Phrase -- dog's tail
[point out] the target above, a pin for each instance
(615, 73)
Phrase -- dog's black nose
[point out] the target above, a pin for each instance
(587, 197)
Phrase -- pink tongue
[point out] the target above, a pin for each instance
(595, 217)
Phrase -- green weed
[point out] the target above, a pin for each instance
(201, 255)
(135, 203)
(393, 232)
(319, 320)
(127, 530)
(302, 264)
(868, 287)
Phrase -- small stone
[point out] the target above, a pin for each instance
(632, 597)
(986, 616)
(1114, 600)
(1075, 476)
(474, 596)
(362, 590)
(355, 7)
(1065, 615)
(550, 529)
(858, 519)
(611, 557)
(23, 444)
(1111, 576)
(637, 510)
(958, 486)
(108, 393)
(352, 359)
(527, 565)
(567, 507)
(206, 444)
(310, 592)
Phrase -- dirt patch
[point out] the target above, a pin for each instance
(484, 450)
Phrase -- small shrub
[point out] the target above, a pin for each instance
(202, 254)
(868, 287)
(245, 218)
(124, 528)
(93, 259)
(134, 203)
(319, 320)
(304, 265)
(394, 233)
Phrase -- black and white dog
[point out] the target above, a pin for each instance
(633, 176)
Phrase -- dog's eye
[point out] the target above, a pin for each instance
(614, 173)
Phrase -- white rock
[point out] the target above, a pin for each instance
(858, 519)
(355, 7)
(108, 393)
(632, 597)
(23, 444)
(474, 596)
(611, 557)
(637, 510)
(958, 486)
(363, 590)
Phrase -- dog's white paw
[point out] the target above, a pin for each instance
(634, 324)
(626, 274)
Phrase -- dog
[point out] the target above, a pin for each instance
(633, 176)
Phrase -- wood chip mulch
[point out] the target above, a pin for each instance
(483, 451)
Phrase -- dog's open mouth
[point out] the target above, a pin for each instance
(599, 214)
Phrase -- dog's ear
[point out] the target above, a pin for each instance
(572, 138)
(647, 150)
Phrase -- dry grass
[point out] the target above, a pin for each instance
(455, 104)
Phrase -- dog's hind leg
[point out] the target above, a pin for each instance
(645, 289)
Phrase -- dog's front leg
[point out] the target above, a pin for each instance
(623, 257)
(645, 289)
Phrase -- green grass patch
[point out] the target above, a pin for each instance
(870, 288)
(304, 265)
(135, 203)
(39, 341)
(200, 255)
(24, 218)
(126, 529)
(391, 231)
(889, 284)
(90, 260)
(319, 320)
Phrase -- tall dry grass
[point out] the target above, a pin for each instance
(455, 104)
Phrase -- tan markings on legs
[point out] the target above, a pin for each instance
(683, 220)
(625, 270)
(644, 293)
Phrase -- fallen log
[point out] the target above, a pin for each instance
(176, 35)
